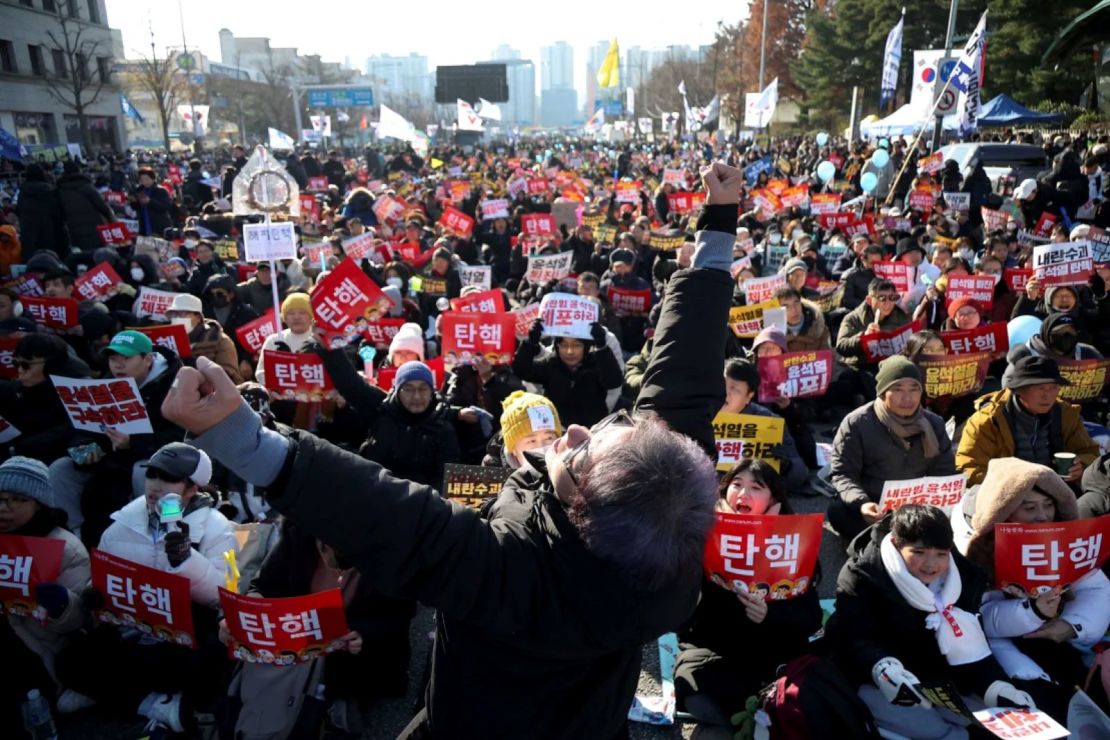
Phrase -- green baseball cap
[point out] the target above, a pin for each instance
(130, 343)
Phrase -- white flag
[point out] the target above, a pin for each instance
(186, 111)
(342, 116)
(892, 58)
(281, 140)
(760, 107)
(682, 88)
(321, 125)
(488, 110)
(393, 124)
(468, 119)
(966, 78)
(597, 120)
(644, 122)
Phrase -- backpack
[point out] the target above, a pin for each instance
(812, 698)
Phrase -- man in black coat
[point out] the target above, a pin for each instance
(592, 548)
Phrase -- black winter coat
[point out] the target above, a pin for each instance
(38, 413)
(41, 225)
(157, 215)
(579, 395)
(84, 209)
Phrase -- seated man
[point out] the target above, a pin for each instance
(1026, 420)
(878, 312)
(805, 323)
(121, 667)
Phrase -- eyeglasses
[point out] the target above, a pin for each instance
(966, 313)
(618, 419)
(415, 389)
(26, 365)
(887, 298)
(13, 502)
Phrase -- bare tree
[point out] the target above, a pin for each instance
(72, 83)
(160, 79)
(276, 104)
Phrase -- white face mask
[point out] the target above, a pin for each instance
(775, 238)
(182, 321)
(190, 243)
(967, 254)
(137, 274)
(396, 282)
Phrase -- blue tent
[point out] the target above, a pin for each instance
(1005, 111)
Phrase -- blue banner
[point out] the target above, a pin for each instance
(10, 147)
(752, 171)
(340, 97)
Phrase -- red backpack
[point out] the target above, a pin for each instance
(812, 698)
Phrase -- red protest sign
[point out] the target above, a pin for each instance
(773, 556)
(252, 335)
(1067, 263)
(628, 192)
(53, 313)
(155, 602)
(456, 221)
(795, 374)
(680, 202)
(97, 282)
(1038, 557)
(114, 234)
(986, 338)
(537, 186)
(388, 209)
(153, 303)
(1087, 377)
(344, 301)
(298, 376)
(1020, 724)
(8, 370)
(317, 184)
(523, 318)
(381, 332)
(25, 562)
(173, 337)
(980, 288)
(468, 334)
(115, 198)
(931, 164)
(953, 375)
(941, 491)
(489, 301)
(387, 373)
(95, 404)
(537, 224)
(629, 302)
(284, 631)
(1044, 224)
(1017, 277)
(821, 204)
(315, 252)
(897, 272)
(310, 207)
(795, 197)
(407, 251)
(887, 343)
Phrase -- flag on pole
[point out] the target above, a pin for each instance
(892, 58)
(321, 125)
(281, 140)
(682, 89)
(489, 111)
(468, 119)
(758, 110)
(597, 120)
(342, 116)
(610, 73)
(967, 78)
(393, 124)
(130, 110)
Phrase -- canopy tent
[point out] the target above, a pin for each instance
(1087, 27)
(906, 121)
(1002, 110)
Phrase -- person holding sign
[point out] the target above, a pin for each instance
(30, 645)
(1026, 420)
(737, 639)
(610, 525)
(1035, 636)
(879, 312)
(891, 438)
(296, 314)
(907, 614)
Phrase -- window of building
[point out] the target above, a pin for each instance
(104, 69)
(82, 66)
(35, 52)
(7, 57)
(72, 9)
(94, 11)
(60, 67)
(49, 6)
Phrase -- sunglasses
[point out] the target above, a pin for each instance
(618, 419)
(886, 298)
(26, 365)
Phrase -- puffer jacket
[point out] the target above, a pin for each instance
(84, 209)
(579, 395)
(814, 333)
(130, 537)
(207, 339)
(987, 435)
(41, 225)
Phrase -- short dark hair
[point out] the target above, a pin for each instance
(917, 341)
(148, 171)
(743, 371)
(62, 274)
(785, 291)
(762, 471)
(194, 165)
(914, 524)
(878, 285)
(589, 277)
(46, 347)
(647, 505)
(874, 249)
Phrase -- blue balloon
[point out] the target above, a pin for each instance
(826, 171)
(880, 157)
(868, 181)
(1022, 329)
(884, 143)
(822, 139)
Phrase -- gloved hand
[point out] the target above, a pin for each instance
(1005, 694)
(485, 420)
(53, 597)
(178, 546)
(535, 334)
(597, 332)
(897, 685)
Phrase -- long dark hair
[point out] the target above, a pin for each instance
(763, 474)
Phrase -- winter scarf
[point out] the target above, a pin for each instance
(960, 638)
(905, 427)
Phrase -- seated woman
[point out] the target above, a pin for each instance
(375, 662)
(891, 438)
(1036, 639)
(735, 639)
(907, 612)
(930, 344)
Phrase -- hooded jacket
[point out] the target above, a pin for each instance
(988, 435)
(84, 209)
(1095, 500)
(580, 395)
(1040, 343)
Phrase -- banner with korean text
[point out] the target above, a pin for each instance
(941, 491)
(469, 334)
(25, 562)
(1038, 557)
(344, 301)
(153, 601)
(93, 405)
(795, 374)
(953, 375)
(297, 376)
(284, 631)
(772, 556)
(745, 437)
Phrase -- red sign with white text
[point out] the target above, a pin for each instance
(310, 207)
(113, 235)
(795, 374)
(1017, 277)
(25, 562)
(537, 224)
(468, 334)
(488, 301)
(896, 272)
(986, 338)
(344, 301)
(1037, 557)
(381, 332)
(456, 221)
(153, 601)
(980, 288)
(97, 282)
(252, 335)
(317, 183)
(887, 343)
(773, 556)
(173, 337)
(8, 370)
(284, 631)
(53, 313)
(297, 376)
(386, 374)
(629, 302)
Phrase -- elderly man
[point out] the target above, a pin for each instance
(593, 547)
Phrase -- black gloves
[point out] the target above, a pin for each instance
(53, 597)
(178, 546)
(536, 332)
(597, 332)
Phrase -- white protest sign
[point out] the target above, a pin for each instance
(496, 208)
(153, 303)
(8, 432)
(1027, 724)
(1067, 263)
(942, 491)
(94, 405)
(266, 242)
(567, 315)
(775, 317)
(761, 289)
(480, 275)
(958, 202)
(545, 268)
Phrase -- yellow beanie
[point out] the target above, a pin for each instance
(296, 302)
(524, 413)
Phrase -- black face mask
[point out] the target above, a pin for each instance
(1064, 343)
(220, 301)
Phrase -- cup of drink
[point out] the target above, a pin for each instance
(1063, 461)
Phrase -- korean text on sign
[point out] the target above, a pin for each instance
(746, 437)
(97, 282)
(155, 602)
(344, 301)
(980, 288)
(566, 315)
(53, 313)
(284, 631)
(252, 335)
(629, 302)
(543, 269)
(381, 332)
(153, 303)
(25, 562)
(1069, 263)
(457, 221)
(761, 289)
(953, 375)
(941, 491)
(265, 242)
(747, 321)
(1087, 378)
(772, 556)
(469, 334)
(985, 338)
(296, 376)
(173, 337)
(1038, 557)
(113, 235)
(470, 485)
(795, 374)
(490, 301)
(1020, 724)
(93, 405)
(887, 343)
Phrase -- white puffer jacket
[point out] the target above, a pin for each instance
(130, 537)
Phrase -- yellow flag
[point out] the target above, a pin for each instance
(436, 163)
(610, 73)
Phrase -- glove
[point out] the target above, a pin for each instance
(597, 332)
(536, 332)
(485, 420)
(53, 597)
(178, 547)
(897, 685)
(1005, 694)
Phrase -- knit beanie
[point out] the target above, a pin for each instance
(409, 337)
(27, 477)
(958, 303)
(524, 413)
(296, 302)
(893, 369)
(795, 264)
(412, 371)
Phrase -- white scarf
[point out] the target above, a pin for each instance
(959, 635)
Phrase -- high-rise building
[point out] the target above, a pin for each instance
(256, 54)
(504, 52)
(520, 110)
(404, 78)
(556, 66)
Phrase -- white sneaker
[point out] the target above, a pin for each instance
(164, 709)
(69, 701)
